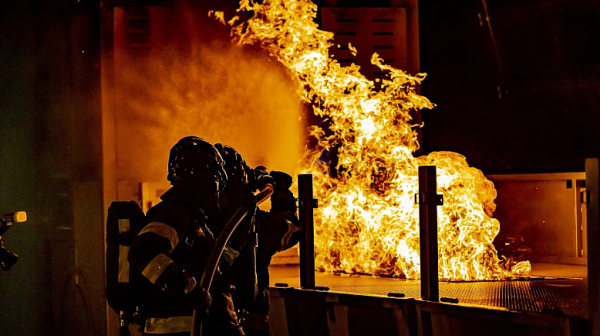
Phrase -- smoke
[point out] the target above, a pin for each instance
(214, 90)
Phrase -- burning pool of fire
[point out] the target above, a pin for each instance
(368, 220)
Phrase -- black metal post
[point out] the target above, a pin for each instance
(592, 185)
(307, 245)
(428, 200)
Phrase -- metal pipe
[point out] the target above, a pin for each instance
(428, 200)
(592, 185)
(307, 245)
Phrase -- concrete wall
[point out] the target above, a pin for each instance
(51, 168)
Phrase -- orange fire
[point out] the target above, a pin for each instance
(368, 221)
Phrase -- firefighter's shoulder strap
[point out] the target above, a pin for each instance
(124, 284)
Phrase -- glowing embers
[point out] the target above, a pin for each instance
(368, 221)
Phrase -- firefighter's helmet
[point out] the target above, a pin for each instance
(194, 162)
(235, 166)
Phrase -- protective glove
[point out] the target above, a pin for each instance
(262, 178)
(181, 284)
(200, 299)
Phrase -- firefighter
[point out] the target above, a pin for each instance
(172, 249)
(258, 237)
(277, 230)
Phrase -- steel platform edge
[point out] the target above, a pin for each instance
(310, 312)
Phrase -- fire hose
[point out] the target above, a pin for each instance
(217, 251)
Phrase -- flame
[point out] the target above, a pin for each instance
(368, 221)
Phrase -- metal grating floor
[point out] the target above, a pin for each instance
(554, 289)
